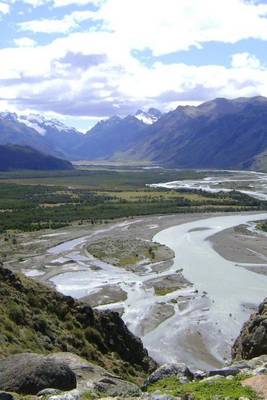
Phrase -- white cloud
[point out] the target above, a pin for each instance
(245, 60)
(4, 8)
(171, 25)
(24, 42)
(62, 3)
(120, 83)
(64, 25)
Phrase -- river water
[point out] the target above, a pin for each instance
(248, 182)
(232, 290)
(202, 330)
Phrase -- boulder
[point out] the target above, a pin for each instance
(6, 396)
(179, 370)
(114, 387)
(91, 377)
(86, 373)
(29, 373)
(71, 395)
(49, 391)
(160, 396)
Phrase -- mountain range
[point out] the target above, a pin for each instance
(220, 133)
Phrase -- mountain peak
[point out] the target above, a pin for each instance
(148, 117)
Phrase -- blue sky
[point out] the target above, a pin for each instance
(84, 60)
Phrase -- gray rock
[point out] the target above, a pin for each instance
(180, 370)
(213, 378)
(255, 366)
(86, 373)
(116, 387)
(29, 373)
(199, 374)
(71, 395)
(6, 396)
(156, 396)
(49, 391)
(224, 371)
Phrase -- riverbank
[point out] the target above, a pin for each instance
(174, 323)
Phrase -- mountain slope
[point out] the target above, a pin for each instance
(24, 157)
(110, 137)
(58, 137)
(46, 135)
(37, 319)
(217, 134)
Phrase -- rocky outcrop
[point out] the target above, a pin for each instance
(96, 379)
(37, 319)
(29, 373)
(179, 370)
(252, 341)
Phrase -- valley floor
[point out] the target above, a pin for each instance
(153, 295)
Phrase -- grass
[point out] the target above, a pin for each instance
(205, 390)
(126, 179)
(262, 225)
(160, 291)
(123, 253)
(34, 318)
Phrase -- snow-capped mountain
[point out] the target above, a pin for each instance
(106, 139)
(42, 124)
(44, 134)
(148, 117)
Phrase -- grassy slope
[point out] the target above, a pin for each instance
(35, 318)
(219, 389)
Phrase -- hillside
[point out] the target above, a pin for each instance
(110, 137)
(13, 157)
(37, 319)
(218, 134)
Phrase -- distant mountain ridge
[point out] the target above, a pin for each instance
(217, 134)
(222, 133)
(14, 157)
(107, 138)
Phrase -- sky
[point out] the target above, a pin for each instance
(85, 60)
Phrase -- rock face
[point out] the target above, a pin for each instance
(252, 341)
(29, 373)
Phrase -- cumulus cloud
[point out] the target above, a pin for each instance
(170, 25)
(4, 8)
(94, 73)
(245, 60)
(24, 42)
